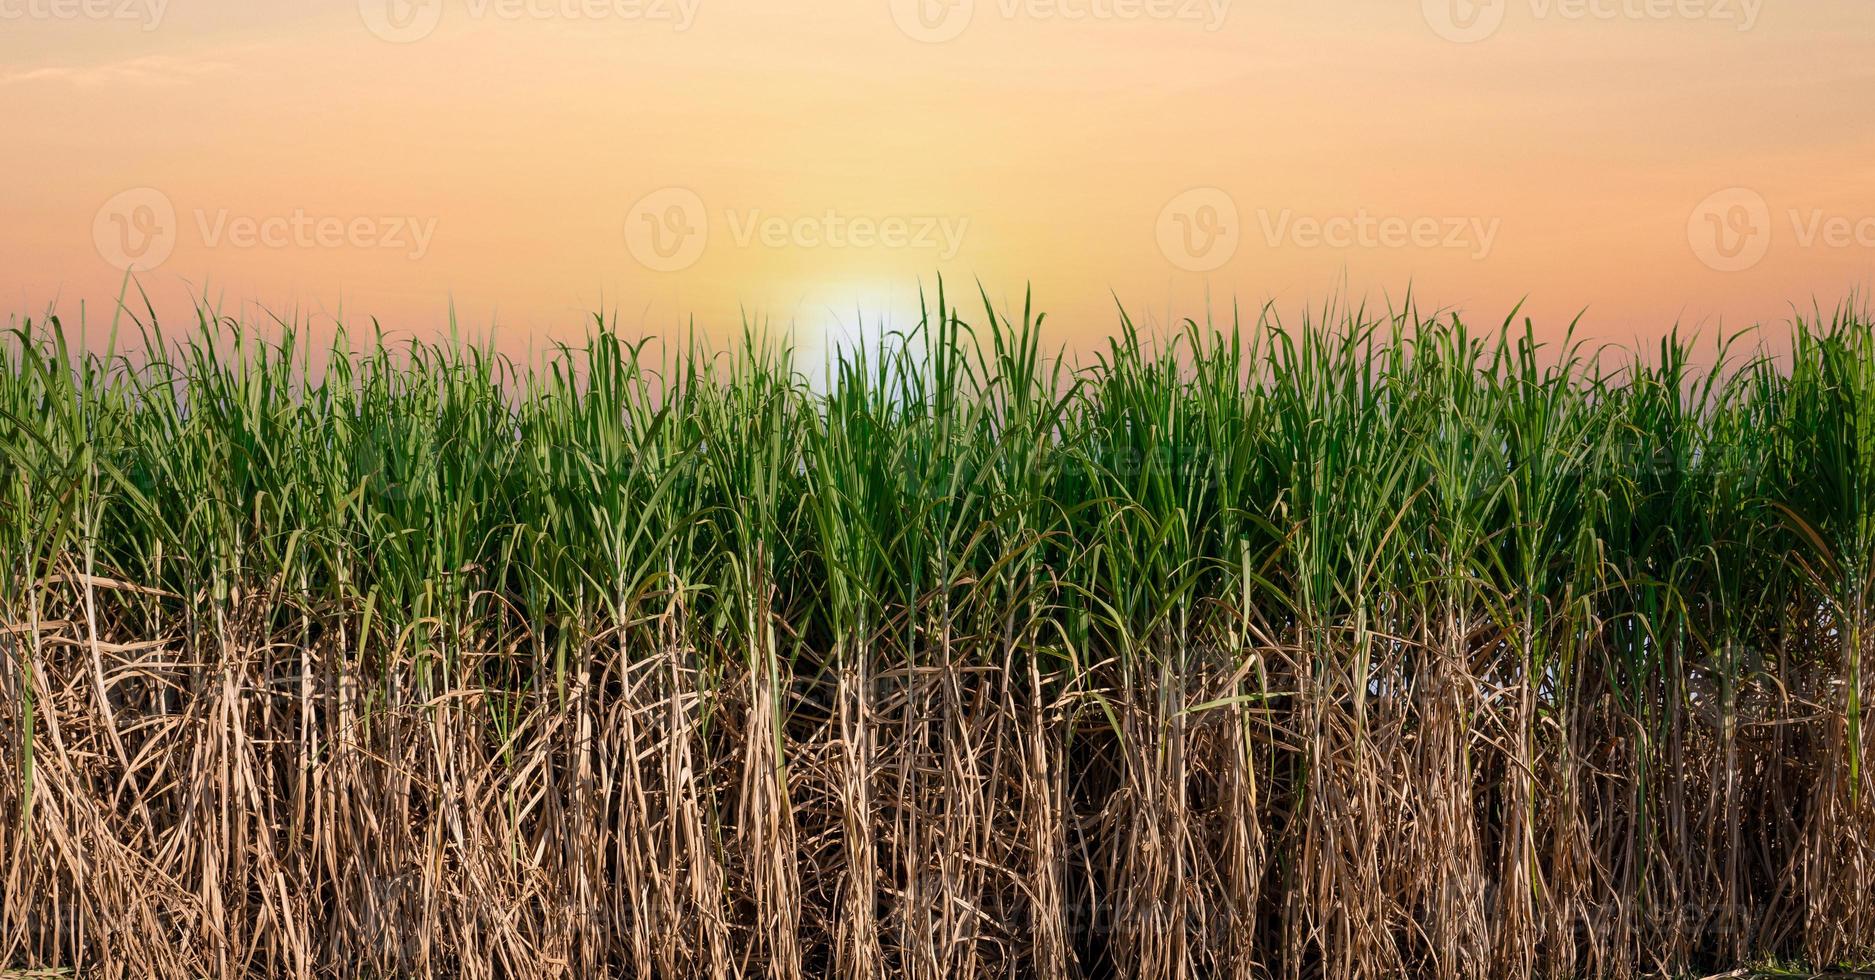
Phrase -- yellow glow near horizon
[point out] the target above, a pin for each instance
(535, 161)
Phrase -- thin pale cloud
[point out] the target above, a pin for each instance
(146, 70)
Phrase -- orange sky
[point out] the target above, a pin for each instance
(534, 160)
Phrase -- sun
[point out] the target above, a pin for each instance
(843, 319)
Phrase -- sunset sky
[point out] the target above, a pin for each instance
(1645, 161)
